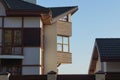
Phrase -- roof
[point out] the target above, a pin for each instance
(56, 11)
(48, 15)
(105, 50)
(109, 48)
(22, 5)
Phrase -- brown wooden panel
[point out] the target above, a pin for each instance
(31, 37)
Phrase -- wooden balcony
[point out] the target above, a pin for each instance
(64, 28)
(64, 57)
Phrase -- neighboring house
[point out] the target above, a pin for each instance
(106, 56)
(34, 40)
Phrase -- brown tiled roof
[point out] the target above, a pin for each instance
(109, 48)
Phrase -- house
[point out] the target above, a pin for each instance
(34, 39)
(106, 57)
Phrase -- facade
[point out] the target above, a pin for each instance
(106, 56)
(34, 40)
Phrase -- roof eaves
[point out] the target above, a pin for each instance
(72, 11)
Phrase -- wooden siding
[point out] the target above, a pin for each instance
(64, 57)
(64, 28)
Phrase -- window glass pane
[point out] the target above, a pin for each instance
(31, 37)
(59, 47)
(8, 37)
(65, 40)
(59, 39)
(65, 48)
(17, 37)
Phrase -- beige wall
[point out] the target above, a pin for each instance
(64, 28)
(113, 66)
(50, 51)
(4, 77)
(14, 22)
(98, 65)
(2, 10)
(32, 22)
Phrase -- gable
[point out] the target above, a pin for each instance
(2, 10)
(109, 49)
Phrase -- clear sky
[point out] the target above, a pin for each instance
(94, 19)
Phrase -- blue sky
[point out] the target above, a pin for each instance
(94, 19)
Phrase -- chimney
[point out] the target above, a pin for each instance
(31, 1)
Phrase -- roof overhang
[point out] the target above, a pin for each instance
(72, 11)
(94, 59)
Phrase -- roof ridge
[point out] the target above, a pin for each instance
(106, 38)
(63, 7)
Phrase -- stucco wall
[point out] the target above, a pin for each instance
(32, 22)
(14, 22)
(113, 66)
(50, 51)
(2, 10)
(98, 65)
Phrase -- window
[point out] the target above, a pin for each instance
(12, 40)
(31, 37)
(12, 37)
(63, 43)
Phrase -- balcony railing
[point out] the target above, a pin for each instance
(11, 51)
(64, 57)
